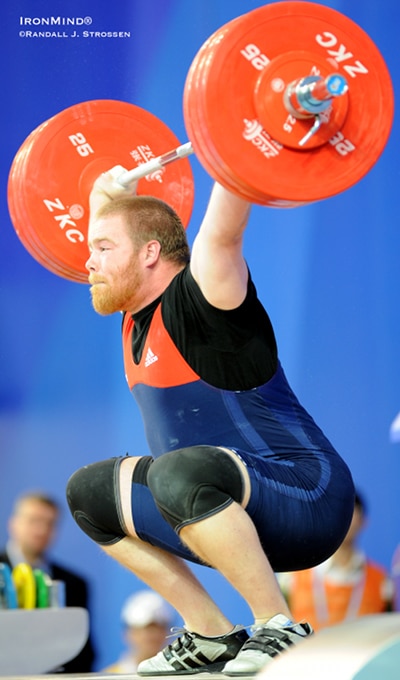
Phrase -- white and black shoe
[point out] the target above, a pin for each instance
(267, 641)
(193, 653)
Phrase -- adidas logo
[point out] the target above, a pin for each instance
(150, 358)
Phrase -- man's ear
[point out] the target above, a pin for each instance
(151, 252)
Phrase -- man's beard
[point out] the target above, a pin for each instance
(104, 301)
(108, 299)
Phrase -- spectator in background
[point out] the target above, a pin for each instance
(342, 588)
(32, 528)
(147, 620)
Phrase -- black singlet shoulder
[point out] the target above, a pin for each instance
(229, 349)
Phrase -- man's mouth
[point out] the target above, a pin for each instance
(95, 282)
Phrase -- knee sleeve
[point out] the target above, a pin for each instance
(194, 483)
(94, 501)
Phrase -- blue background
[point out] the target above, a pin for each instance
(328, 273)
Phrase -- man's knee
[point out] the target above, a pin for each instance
(194, 483)
(94, 501)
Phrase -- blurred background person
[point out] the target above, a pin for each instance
(147, 620)
(344, 587)
(395, 571)
(32, 528)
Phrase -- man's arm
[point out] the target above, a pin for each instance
(217, 262)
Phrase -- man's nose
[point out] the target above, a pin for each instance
(90, 263)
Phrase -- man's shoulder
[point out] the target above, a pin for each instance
(62, 573)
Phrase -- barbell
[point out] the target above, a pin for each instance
(286, 105)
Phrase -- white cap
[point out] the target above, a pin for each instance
(145, 607)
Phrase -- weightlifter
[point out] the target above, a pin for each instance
(240, 477)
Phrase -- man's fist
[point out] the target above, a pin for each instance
(106, 188)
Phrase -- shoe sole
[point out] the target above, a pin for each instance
(248, 674)
(211, 668)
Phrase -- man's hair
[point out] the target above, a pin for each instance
(150, 218)
(35, 496)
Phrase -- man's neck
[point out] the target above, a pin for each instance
(343, 556)
(154, 287)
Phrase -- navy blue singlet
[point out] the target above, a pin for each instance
(301, 489)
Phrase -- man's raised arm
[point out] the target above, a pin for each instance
(217, 262)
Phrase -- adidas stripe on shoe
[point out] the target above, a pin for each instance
(268, 640)
(193, 653)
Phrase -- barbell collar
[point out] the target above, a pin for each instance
(309, 96)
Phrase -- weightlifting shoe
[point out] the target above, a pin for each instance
(267, 641)
(193, 653)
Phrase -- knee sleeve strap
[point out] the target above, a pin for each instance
(194, 483)
(94, 500)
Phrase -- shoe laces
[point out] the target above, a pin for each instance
(184, 639)
(264, 638)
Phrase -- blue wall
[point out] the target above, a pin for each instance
(329, 273)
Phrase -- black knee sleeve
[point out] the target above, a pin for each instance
(94, 501)
(194, 483)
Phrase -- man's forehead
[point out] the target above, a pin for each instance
(109, 228)
(34, 507)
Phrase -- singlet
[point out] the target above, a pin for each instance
(201, 375)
